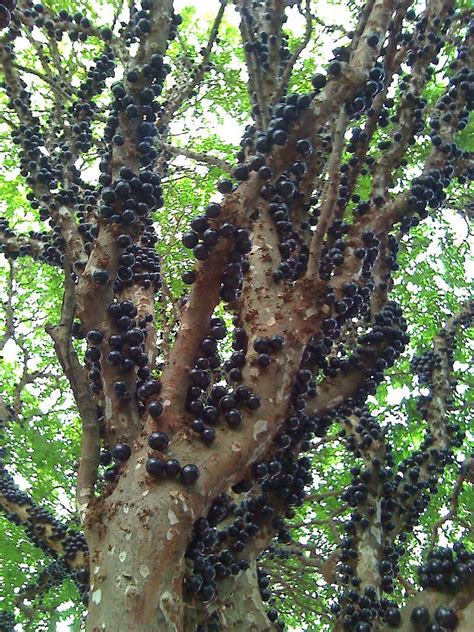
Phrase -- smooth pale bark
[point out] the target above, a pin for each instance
(238, 606)
(137, 567)
(137, 570)
(243, 608)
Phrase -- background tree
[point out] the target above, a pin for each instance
(274, 433)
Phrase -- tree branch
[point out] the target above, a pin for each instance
(329, 197)
(411, 492)
(181, 93)
(40, 526)
(90, 445)
(290, 64)
(462, 603)
(212, 161)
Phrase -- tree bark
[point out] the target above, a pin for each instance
(243, 608)
(137, 569)
(137, 563)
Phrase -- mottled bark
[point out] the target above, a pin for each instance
(137, 563)
(243, 608)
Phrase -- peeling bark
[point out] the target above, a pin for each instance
(243, 609)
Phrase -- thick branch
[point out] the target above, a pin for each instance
(462, 603)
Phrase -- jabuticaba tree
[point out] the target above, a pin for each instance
(255, 378)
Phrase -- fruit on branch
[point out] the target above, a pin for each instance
(446, 569)
(7, 7)
(121, 452)
(420, 616)
(7, 621)
(189, 474)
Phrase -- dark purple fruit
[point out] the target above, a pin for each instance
(189, 474)
(420, 616)
(155, 466)
(121, 452)
(158, 441)
(446, 617)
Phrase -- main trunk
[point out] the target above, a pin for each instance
(137, 572)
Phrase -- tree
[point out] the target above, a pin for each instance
(283, 427)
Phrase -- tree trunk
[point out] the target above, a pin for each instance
(238, 606)
(137, 538)
(137, 563)
(243, 608)
(137, 577)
